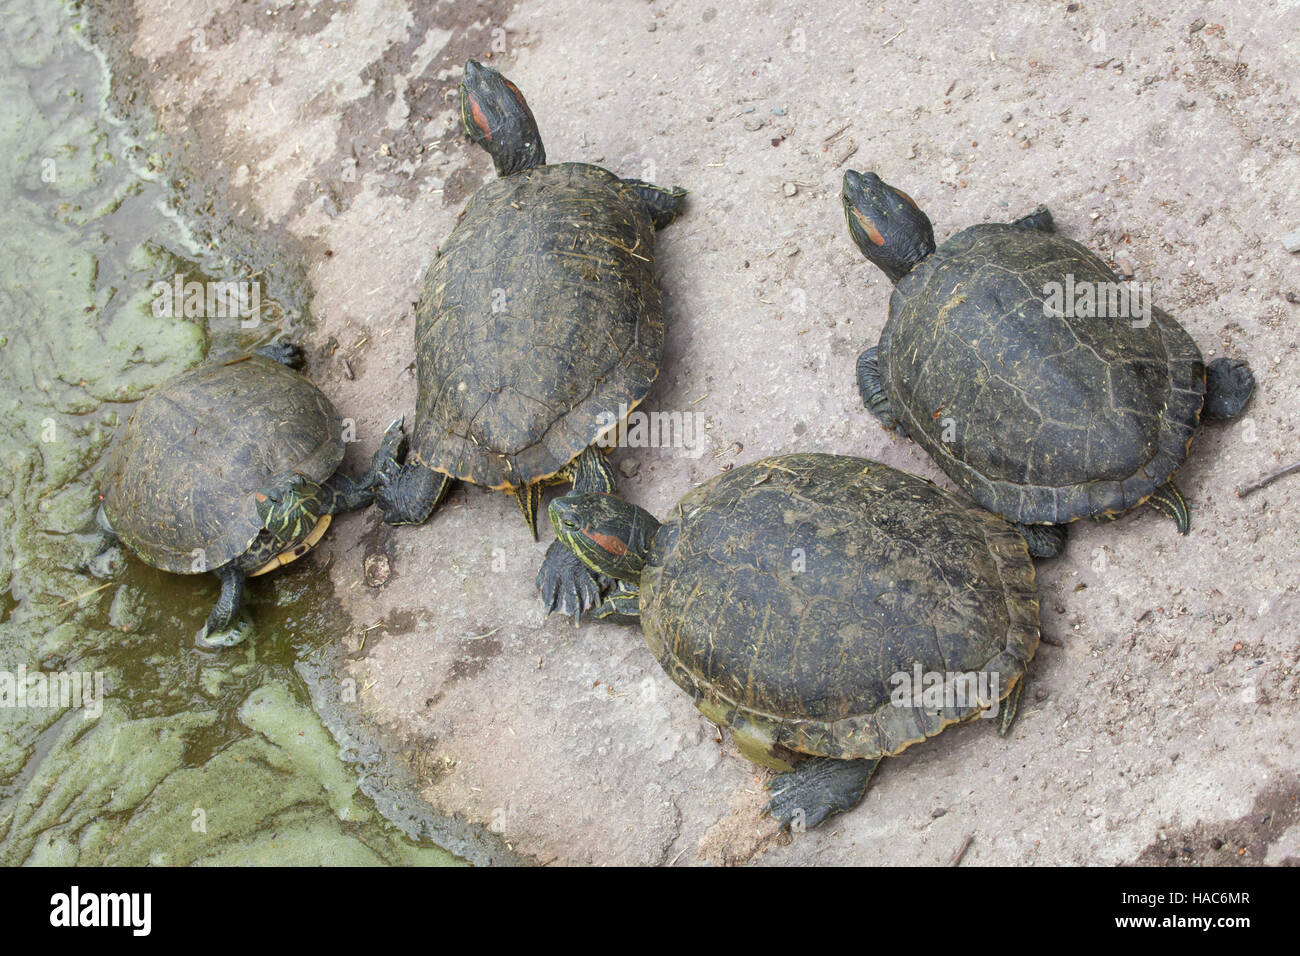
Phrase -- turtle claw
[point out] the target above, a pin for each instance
(388, 458)
(289, 354)
(232, 636)
(819, 787)
(566, 584)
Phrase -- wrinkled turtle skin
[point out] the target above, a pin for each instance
(1042, 412)
(785, 595)
(232, 467)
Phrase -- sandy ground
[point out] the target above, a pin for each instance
(1160, 725)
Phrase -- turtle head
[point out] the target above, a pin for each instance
(289, 506)
(496, 116)
(886, 224)
(607, 534)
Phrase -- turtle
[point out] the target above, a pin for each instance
(804, 601)
(1044, 387)
(538, 328)
(232, 467)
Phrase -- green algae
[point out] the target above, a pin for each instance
(190, 757)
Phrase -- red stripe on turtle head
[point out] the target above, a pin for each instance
(480, 120)
(608, 542)
(869, 228)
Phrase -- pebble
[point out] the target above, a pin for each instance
(1291, 241)
(789, 188)
(1124, 266)
(377, 570)
(1197, 25)
(652, 26)
(629, 467)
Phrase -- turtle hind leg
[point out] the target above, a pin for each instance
(1009, 707)
(408, 495)
(872, 390)
(223, 627)
(663, 205)
(341, 493)
(818, 788)
(1040, 219)
(1168, 500)
(567, 585)
(1045, 540)
(529, 499)
(1229, 384)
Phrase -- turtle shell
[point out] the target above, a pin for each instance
(1040, 415)
(538, 325)
(786, 595)
(180, 481)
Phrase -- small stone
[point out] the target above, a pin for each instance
(629, 467)
(1124, 266)
(789, 188)
(652, 26)
(1291, 241)
(1197, 25)
(1006, 117)
(377, 570)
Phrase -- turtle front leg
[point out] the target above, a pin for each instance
(1045, 540)
(1229, 384)
(663, 205)
(288, 354)
(872, 390)
(1040, 219)
(818, 788)
(342, 493)
(622, 606)
(567, 585)
(108, 561)
(222, 628)
(1168, 500)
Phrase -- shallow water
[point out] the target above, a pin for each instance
(189, 756)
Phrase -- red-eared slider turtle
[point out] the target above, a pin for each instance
(1042, 385)
(820, 605)
(537, 326)
(231, 467)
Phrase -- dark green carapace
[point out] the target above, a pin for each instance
(1043, 412)
(232, 467)
(537, 325)
(788, 595)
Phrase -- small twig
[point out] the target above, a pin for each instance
(1268, 479)
(961, 850)
(85, 594)
(894, 37)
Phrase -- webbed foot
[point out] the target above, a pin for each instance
(1040, 219)
(566, 584)
(816, 789)
(872, 390)
(1229, 384)
(286, 353)
(1045, 540)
